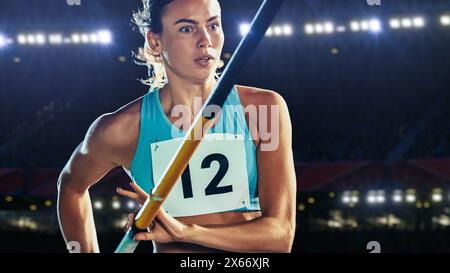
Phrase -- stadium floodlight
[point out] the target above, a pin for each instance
(376, 197)
(131, 204)
(375, 25)
(98, 205)
(395, 23)
(318, 28)
(380, 198)
(244, 28)
(418, 22)
(115, 204)
(371, 199)
(410, 197)
(406, 22)
(104, 36)
(354, 199)
(55, 39)
(76, 39)
(354, 26)
(328, 27)
(3, 41)
(436, 197)
(40, 39)
(277, 30)
(364, 25)
(269, 32)
(85, 38)
(309, 29)
(93, 38)
(346, 197)
(287, 30)
(21, 39)
(31, 39)
(397, 196)
(445, 20)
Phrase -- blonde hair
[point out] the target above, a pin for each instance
(157, 77)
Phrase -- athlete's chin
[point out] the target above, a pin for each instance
(203, 77)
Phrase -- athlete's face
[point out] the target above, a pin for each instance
(192, 39)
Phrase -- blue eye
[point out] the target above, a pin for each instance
(186, 29)
(215, 26)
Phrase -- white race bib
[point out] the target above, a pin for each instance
(215, 180)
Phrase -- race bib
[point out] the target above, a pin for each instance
(215, 180)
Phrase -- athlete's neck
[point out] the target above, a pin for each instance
(183, 93)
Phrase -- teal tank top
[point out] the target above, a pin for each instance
(156, 127)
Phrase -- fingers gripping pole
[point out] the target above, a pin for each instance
(202, 123)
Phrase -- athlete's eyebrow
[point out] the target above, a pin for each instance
(190, 21)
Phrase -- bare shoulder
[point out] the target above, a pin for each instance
(115, 133)
(258, 96)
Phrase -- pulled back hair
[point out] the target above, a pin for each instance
(149, 18)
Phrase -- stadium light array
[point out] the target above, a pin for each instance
(376, 197)
(98, 37)
(319, 28)
(407, 22)
(276, 30)
(346, 197)
(350, 198)
(55, 39)
(372, 25)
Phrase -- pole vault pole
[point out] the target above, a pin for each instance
(202, 123)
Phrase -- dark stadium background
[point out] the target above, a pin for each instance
(370, 114)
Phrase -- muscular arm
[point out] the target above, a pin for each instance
(274, 230)
(90, 161)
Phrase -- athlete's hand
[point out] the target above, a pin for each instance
(139, 195)
(164, 229)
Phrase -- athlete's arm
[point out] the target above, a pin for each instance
(275, 229)
(90, 161)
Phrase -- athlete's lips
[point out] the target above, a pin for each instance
(204, 57)
(205, 61)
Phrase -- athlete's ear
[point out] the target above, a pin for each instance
(154, 43)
